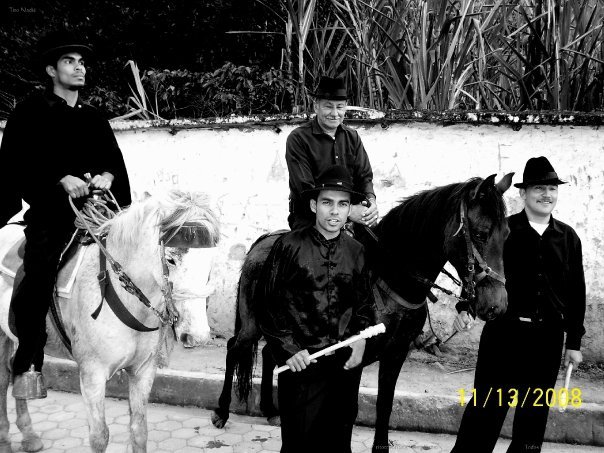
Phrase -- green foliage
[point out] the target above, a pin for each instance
(499, 54)
(231, 89)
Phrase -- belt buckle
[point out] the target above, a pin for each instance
(523, 319)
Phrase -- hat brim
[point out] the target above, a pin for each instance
(330, 97)
(554, 181)
(355, 197)
(65, 49)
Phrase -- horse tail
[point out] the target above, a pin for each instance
(244, 351)
(247, 330)
(244, 368)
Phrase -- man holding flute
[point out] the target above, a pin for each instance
(315, 292)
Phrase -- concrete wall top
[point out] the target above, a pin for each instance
(361, 115)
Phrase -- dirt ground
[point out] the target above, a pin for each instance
(423, 372)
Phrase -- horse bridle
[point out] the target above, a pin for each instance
(186, 235)
(473, 257)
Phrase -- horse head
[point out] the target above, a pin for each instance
(474, 245)
(188, 228)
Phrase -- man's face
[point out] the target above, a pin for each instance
(332, 208)
(330, 113)
(540, 200)
(70, 73)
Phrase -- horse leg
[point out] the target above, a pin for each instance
(390, 367)
(266, 388)
(139, 389)
(5, 351)
(92, 385)
(221, 414)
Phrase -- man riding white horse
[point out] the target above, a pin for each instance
(55, 140)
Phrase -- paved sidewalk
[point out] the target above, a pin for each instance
(60, 419)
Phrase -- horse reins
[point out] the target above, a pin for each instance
(170, 317)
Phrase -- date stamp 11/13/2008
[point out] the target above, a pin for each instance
(536, 397)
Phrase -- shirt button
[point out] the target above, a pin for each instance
(337, 157)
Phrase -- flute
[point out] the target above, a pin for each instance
(564, 395)
(367, 333)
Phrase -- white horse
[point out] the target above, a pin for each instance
(105, 345)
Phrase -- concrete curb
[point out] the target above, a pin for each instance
(410, 411)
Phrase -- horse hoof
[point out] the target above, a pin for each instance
(218, 421)
(32, 444)
(275, 420)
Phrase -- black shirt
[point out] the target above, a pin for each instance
(44, 140)
(310, 151)
(545, 279)
(316, 292)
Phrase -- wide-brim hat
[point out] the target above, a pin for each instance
(331, 88)
(337, 178)
(538, 170)
(57, 43)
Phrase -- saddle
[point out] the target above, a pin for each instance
(12, 249)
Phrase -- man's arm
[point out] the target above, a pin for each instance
(111, 172)
(298, 166)
(576, 309)
(363, 178)
(363, 315)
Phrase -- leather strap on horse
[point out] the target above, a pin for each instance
(117, 306)
(380, 284)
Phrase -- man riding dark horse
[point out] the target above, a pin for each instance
(55, 140)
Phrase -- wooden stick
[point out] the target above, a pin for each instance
(563, 403)
(367, 333)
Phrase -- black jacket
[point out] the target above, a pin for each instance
(545, 279)
(45, 140)
(310, 151)
(315, 292)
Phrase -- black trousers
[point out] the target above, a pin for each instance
(318, 406)
(513, 356)
(45, 242)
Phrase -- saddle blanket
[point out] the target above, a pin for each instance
(12, 246)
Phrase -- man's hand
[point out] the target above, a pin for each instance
(74, 186)
(356, 357)
(299, 361)
(364, 213)
(462, 322)
(102, 182)
(574, 356)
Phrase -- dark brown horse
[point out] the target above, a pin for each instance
(461, 223)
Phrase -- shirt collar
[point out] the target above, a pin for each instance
(54, 100)
(316, 234)
(553, 224)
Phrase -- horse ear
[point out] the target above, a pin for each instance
(504, 183)
(485, 185)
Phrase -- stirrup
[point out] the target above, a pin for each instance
(29, 385)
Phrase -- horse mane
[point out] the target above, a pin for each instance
(420, 210)
(164, 214)
(413, 235)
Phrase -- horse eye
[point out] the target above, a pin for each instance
(482, 236)
(171, 261)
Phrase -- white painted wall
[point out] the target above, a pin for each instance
(243, 169)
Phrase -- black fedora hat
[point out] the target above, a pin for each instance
(538, 170)
(337, 178)
(60, 42)
(331, 88)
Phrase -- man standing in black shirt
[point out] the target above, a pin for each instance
(519, 354)
(50, 142)
(315, 292)
(321, 143)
